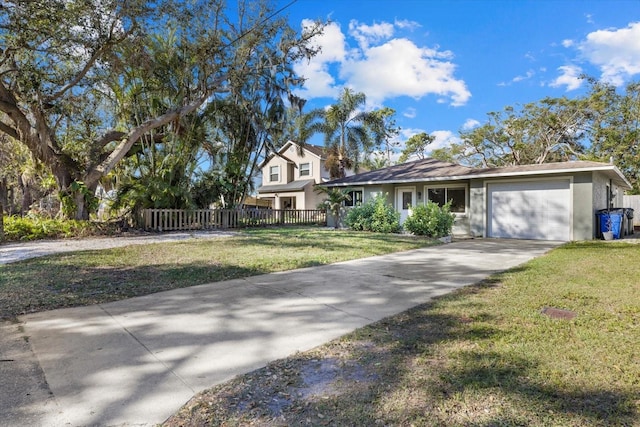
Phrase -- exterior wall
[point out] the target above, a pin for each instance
(477, 208)
(316, 164)
(370, 193)
(587, 195)
(583, 208)
(462, 222)
(599, 191)
(275, 161)
(600, 182)
(311, 198)
(291, 171)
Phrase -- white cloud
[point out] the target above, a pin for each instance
(320, 81)
(406, 24)
(516, 79)
(470, 124)
(410, 113)
(527, 76)
(567, 43)
(615, 51)
(570, 77)
(444, 139)
(400, 68)
(381, 66)
(367, 34)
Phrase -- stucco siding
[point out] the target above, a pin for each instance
(599, 191)
(312, 198)
(583, 212)
(477, 208)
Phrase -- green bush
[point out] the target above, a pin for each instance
(34, 228)
(430, 220)
(375, 215)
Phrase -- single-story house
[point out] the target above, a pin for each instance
(551, 201)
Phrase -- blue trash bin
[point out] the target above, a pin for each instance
(611, 221)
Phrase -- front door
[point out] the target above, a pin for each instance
(405, 199)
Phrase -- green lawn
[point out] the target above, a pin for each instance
(91, 277)
(482, 356)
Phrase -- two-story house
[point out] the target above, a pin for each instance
(289, 177)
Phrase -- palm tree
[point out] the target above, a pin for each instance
(334, 201)
(346, 127)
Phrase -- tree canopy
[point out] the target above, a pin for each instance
(83, 82)
(601, 125)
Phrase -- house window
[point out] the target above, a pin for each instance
(407, 199)
(274, 173)
(356, 198)
(305, 169)
(441, 195)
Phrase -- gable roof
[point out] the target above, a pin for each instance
(308, 148)
(429, 170)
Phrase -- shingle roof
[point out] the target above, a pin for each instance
(315, 149)
(429, 169)
(280, 188)
(417, 170)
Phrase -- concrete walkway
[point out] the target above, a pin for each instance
(135, 362)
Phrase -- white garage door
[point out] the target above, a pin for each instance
(530, 210)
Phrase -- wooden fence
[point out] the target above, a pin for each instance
(207, 219)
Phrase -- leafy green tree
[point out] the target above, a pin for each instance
(550, 130)
(614, 131)
(65, 65)
(375, 161)
(416, 146)
(386, 131)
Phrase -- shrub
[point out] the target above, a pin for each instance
(35, 227)
(375, 215)
(430, 220)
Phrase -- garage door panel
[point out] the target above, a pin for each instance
(530, 210)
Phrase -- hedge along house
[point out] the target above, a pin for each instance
(551, 201)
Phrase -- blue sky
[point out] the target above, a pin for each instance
(443, 65)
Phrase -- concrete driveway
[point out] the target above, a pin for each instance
(135, 362)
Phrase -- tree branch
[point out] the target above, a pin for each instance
(90, 63)
(120, 151)
(8, 130)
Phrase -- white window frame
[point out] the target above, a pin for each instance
(277, 173)
(351, 203)
(465, 187)
(300, 170)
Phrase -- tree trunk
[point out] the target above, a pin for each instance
(1, 222)
(27, 198)
(82, 210)
(4, 195)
